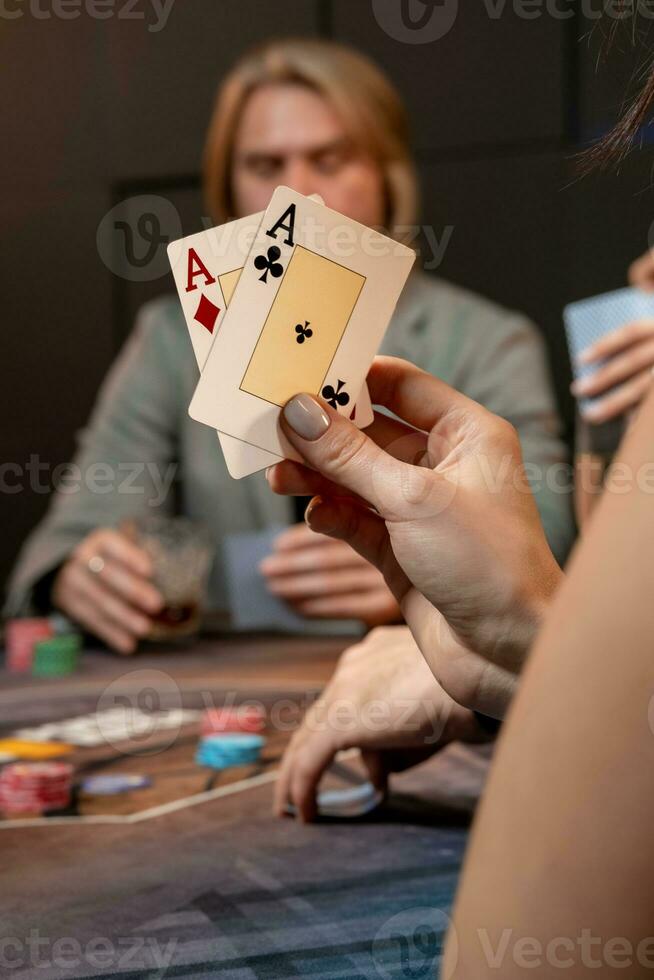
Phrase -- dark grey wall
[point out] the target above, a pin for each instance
(99, 110)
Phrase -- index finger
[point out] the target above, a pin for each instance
(414, 395)
(308, 766)
(113, 544)
(280, 792)
(617, 341)
(296, 537)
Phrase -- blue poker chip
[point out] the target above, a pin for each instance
(112, 785)
(225, 751)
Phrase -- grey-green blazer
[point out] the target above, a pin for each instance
(140, 439)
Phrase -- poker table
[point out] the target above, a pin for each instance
(192, 876)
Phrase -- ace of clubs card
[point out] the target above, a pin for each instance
(308, 314)
(206, 268)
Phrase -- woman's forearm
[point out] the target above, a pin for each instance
(561, 864)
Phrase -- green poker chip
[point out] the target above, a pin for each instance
(57, 656)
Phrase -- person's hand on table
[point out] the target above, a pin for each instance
(625, 359)
(383, 700)
(106, 587)
(324, 578)
(455, 529)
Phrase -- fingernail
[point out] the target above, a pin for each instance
(310, 508)
(580, 386)
(306, 417)
(584, 356)
(308, 514)
(592, 412)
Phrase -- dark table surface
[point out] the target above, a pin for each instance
(220, 888)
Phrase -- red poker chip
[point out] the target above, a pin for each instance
(21, 635)
(247, 718)
(35, 787)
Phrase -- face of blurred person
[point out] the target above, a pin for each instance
(290, 135)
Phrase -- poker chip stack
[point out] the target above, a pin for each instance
(226, 751)
(56, 656)
(28, 788)
(21, 635)
(243, 718)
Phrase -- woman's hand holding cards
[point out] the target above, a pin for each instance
(454, 530)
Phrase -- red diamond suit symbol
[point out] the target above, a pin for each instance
(207, 313)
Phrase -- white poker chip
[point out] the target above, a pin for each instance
(355, 801)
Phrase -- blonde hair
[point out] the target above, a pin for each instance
(364, 99)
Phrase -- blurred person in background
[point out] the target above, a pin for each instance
(284, 115)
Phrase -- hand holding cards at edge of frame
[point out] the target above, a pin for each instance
(589, 321)
(302, 317)
(217, 256)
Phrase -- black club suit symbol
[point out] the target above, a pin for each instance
(335, 397)
(303, 332)
(269, 264)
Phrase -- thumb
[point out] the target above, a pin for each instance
(334, 447)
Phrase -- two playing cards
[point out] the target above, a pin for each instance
(295, 300)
